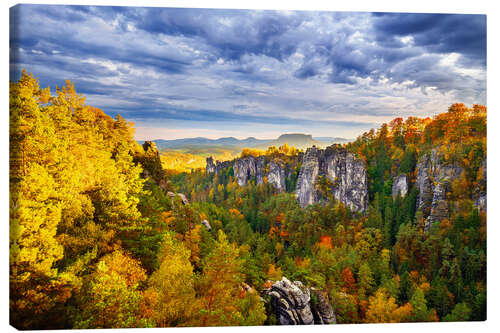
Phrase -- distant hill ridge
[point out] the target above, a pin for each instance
(299, 140)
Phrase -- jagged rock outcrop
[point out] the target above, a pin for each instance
(207, 225)
(276, 176)
(210, 168)
(260, 164)
(343, 169)
(322, 310)
(292, 304)
(480, 195)
(244, 169)
(434, 180)
(400, 185)
(424, 184)
(150, 162)
(217, 167)
(183, 198)
(252, 167)
(306, 192)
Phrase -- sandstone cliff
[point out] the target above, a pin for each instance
(434, 179)
(217, 167)
(400, 186)
(342, 168)
(480, 195)
(250, 167)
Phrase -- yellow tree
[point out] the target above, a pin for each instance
(382, 308)
(111, 298)
(173, 283)
(35, 211)
(73, 186)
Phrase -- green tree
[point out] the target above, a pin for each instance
(365, 280)
(461, 312)
(420, 311)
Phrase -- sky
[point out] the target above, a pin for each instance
(214, 73)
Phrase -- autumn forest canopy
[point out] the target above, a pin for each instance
(105, 234)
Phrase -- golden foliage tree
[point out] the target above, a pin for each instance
(173, 283)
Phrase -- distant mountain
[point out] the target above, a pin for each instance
(298, 140)
(330, 140)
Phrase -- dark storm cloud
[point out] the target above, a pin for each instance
(212, 65)
(232, 33)
(440, 33)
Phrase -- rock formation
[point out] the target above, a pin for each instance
(250, 167)
(480, 195)
(433, 182)
(343, 169)
(150, 162)
(244, 169)
(291, 302)
(322, 310)
(207, 225)
(276, 176)
(210, 168)
(183, 198)
(400, 185)
(260, 165)
(217, 167)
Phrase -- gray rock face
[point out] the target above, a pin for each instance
(207, 225)
(210, 168)
(217, 167)
(276, 176)
(247, 167)
(260, 164)
(343, 169)
(433, 182)
(306, 192)
(480, 195)
(244, 169)
(291, 302)
(400, 185)
(322, 310)
(184, 200)
(424, 185)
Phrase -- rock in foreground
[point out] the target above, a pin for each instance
(291, 302)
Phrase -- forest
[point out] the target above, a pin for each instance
(101, 237)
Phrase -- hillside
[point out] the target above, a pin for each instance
(300, 141)
(185, 155)
(390, 227)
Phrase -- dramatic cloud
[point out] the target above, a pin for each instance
(178, 72)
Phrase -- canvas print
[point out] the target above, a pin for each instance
(217, 167)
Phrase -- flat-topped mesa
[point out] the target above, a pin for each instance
(249, 167)
(346, 172)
